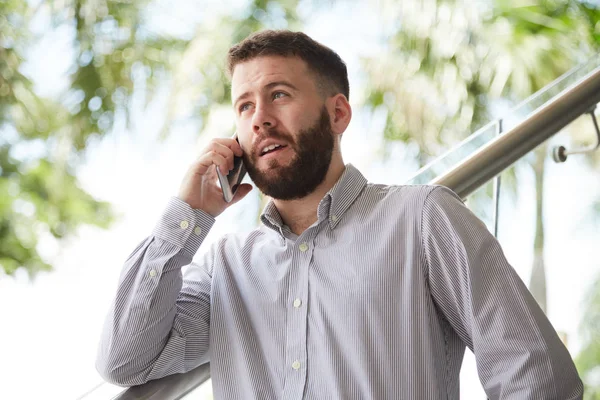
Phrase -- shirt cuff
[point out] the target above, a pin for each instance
(183, 225)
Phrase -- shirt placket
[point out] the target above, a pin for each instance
(297, 318)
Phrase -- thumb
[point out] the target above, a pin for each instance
(241, 192)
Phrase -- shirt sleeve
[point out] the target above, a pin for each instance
(518, 353)
(159, 322)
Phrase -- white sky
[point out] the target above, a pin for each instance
(51, 327)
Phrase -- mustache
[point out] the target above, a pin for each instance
(271, 134)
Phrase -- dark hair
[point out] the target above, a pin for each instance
(327, 65)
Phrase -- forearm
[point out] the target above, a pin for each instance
(142, 323)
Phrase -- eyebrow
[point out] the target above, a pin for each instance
(268, 86)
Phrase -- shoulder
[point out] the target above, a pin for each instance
(410, 195)
(446, 215)
(403, 204)
(418, 202)
(442, 200)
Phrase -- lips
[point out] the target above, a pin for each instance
(274, 153)
(274, 150)
(269, 146)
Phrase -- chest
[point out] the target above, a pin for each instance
(367, 267)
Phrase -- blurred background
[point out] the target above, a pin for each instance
(105, 103)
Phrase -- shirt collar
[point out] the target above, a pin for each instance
(333, 205)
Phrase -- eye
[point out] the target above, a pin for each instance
(278, 95)
(244, 107)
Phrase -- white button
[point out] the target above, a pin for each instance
(152, 273)
(184, 224)
(303, 247)
(334, 218)
(296, 365)
(297, 303)
(197, 230)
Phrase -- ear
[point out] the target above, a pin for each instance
(340, 113)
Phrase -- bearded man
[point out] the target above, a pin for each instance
(347, 290)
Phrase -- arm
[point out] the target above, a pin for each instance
(159, 324)
(518, 353)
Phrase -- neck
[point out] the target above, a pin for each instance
(299, 214)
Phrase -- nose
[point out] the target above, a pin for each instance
(262, 119)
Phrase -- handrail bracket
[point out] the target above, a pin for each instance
(560, 153)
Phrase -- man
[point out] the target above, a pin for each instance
(348, 290)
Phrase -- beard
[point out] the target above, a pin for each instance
(313, 150)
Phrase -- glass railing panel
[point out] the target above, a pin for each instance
(526, 107)
(481, 203)
(511, 118)
(455, 155)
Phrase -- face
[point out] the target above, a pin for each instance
(283, 126)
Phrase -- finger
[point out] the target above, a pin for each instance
(241, 192)
(224, 151)
(211, 158)
(232, 144)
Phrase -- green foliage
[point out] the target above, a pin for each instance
(114, 48)
(41, 194)
(448, 61)
(116, 54)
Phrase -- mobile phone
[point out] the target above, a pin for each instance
(230, 182)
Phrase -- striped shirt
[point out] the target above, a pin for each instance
(376, 300)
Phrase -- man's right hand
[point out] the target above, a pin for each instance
(199, 187)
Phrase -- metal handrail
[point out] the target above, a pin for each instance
(500, 153)
(466, 177)
(172, 387)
